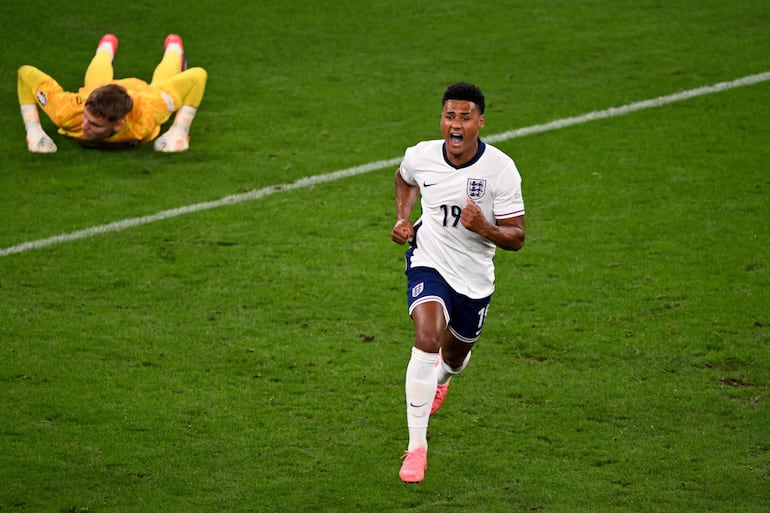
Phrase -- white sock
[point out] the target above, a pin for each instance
(445, 372)
(105, 47)
(420, 389)
(174, 47)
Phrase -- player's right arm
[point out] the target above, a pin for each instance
(406, 197)
(32, 86)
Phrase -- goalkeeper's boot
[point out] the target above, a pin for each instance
(176, 40)
(438, 399)
(414, 465)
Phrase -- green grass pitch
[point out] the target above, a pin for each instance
(251, 357)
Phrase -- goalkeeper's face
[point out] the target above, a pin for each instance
(96, 128)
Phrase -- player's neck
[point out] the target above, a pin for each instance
(459, 160)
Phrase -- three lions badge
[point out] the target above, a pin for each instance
(476, 188)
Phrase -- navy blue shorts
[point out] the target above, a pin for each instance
(464, 316)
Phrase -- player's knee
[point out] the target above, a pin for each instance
(427, 341)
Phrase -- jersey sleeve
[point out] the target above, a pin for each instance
(405, 170)
(509, 201)
(64, 108)
(414, 158)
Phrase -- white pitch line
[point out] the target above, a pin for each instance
(631, 107)
(373, 166)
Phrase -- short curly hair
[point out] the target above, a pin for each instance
(111, 102)
(465, 91)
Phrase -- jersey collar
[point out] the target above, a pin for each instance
(476, 157)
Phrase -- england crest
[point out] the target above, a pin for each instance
(476, 188)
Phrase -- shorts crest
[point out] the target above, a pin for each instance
(477, 187)
(42, 99)
(417, 289)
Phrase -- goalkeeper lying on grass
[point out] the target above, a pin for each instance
(108, 113)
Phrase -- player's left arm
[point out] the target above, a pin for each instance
(185, 89)
(506, 233)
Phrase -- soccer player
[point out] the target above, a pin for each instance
(109, 113)
(471, 204)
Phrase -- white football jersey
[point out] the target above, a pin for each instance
(491, 181)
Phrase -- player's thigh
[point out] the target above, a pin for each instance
(429, 325)
(428, 297)
(467, 317)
